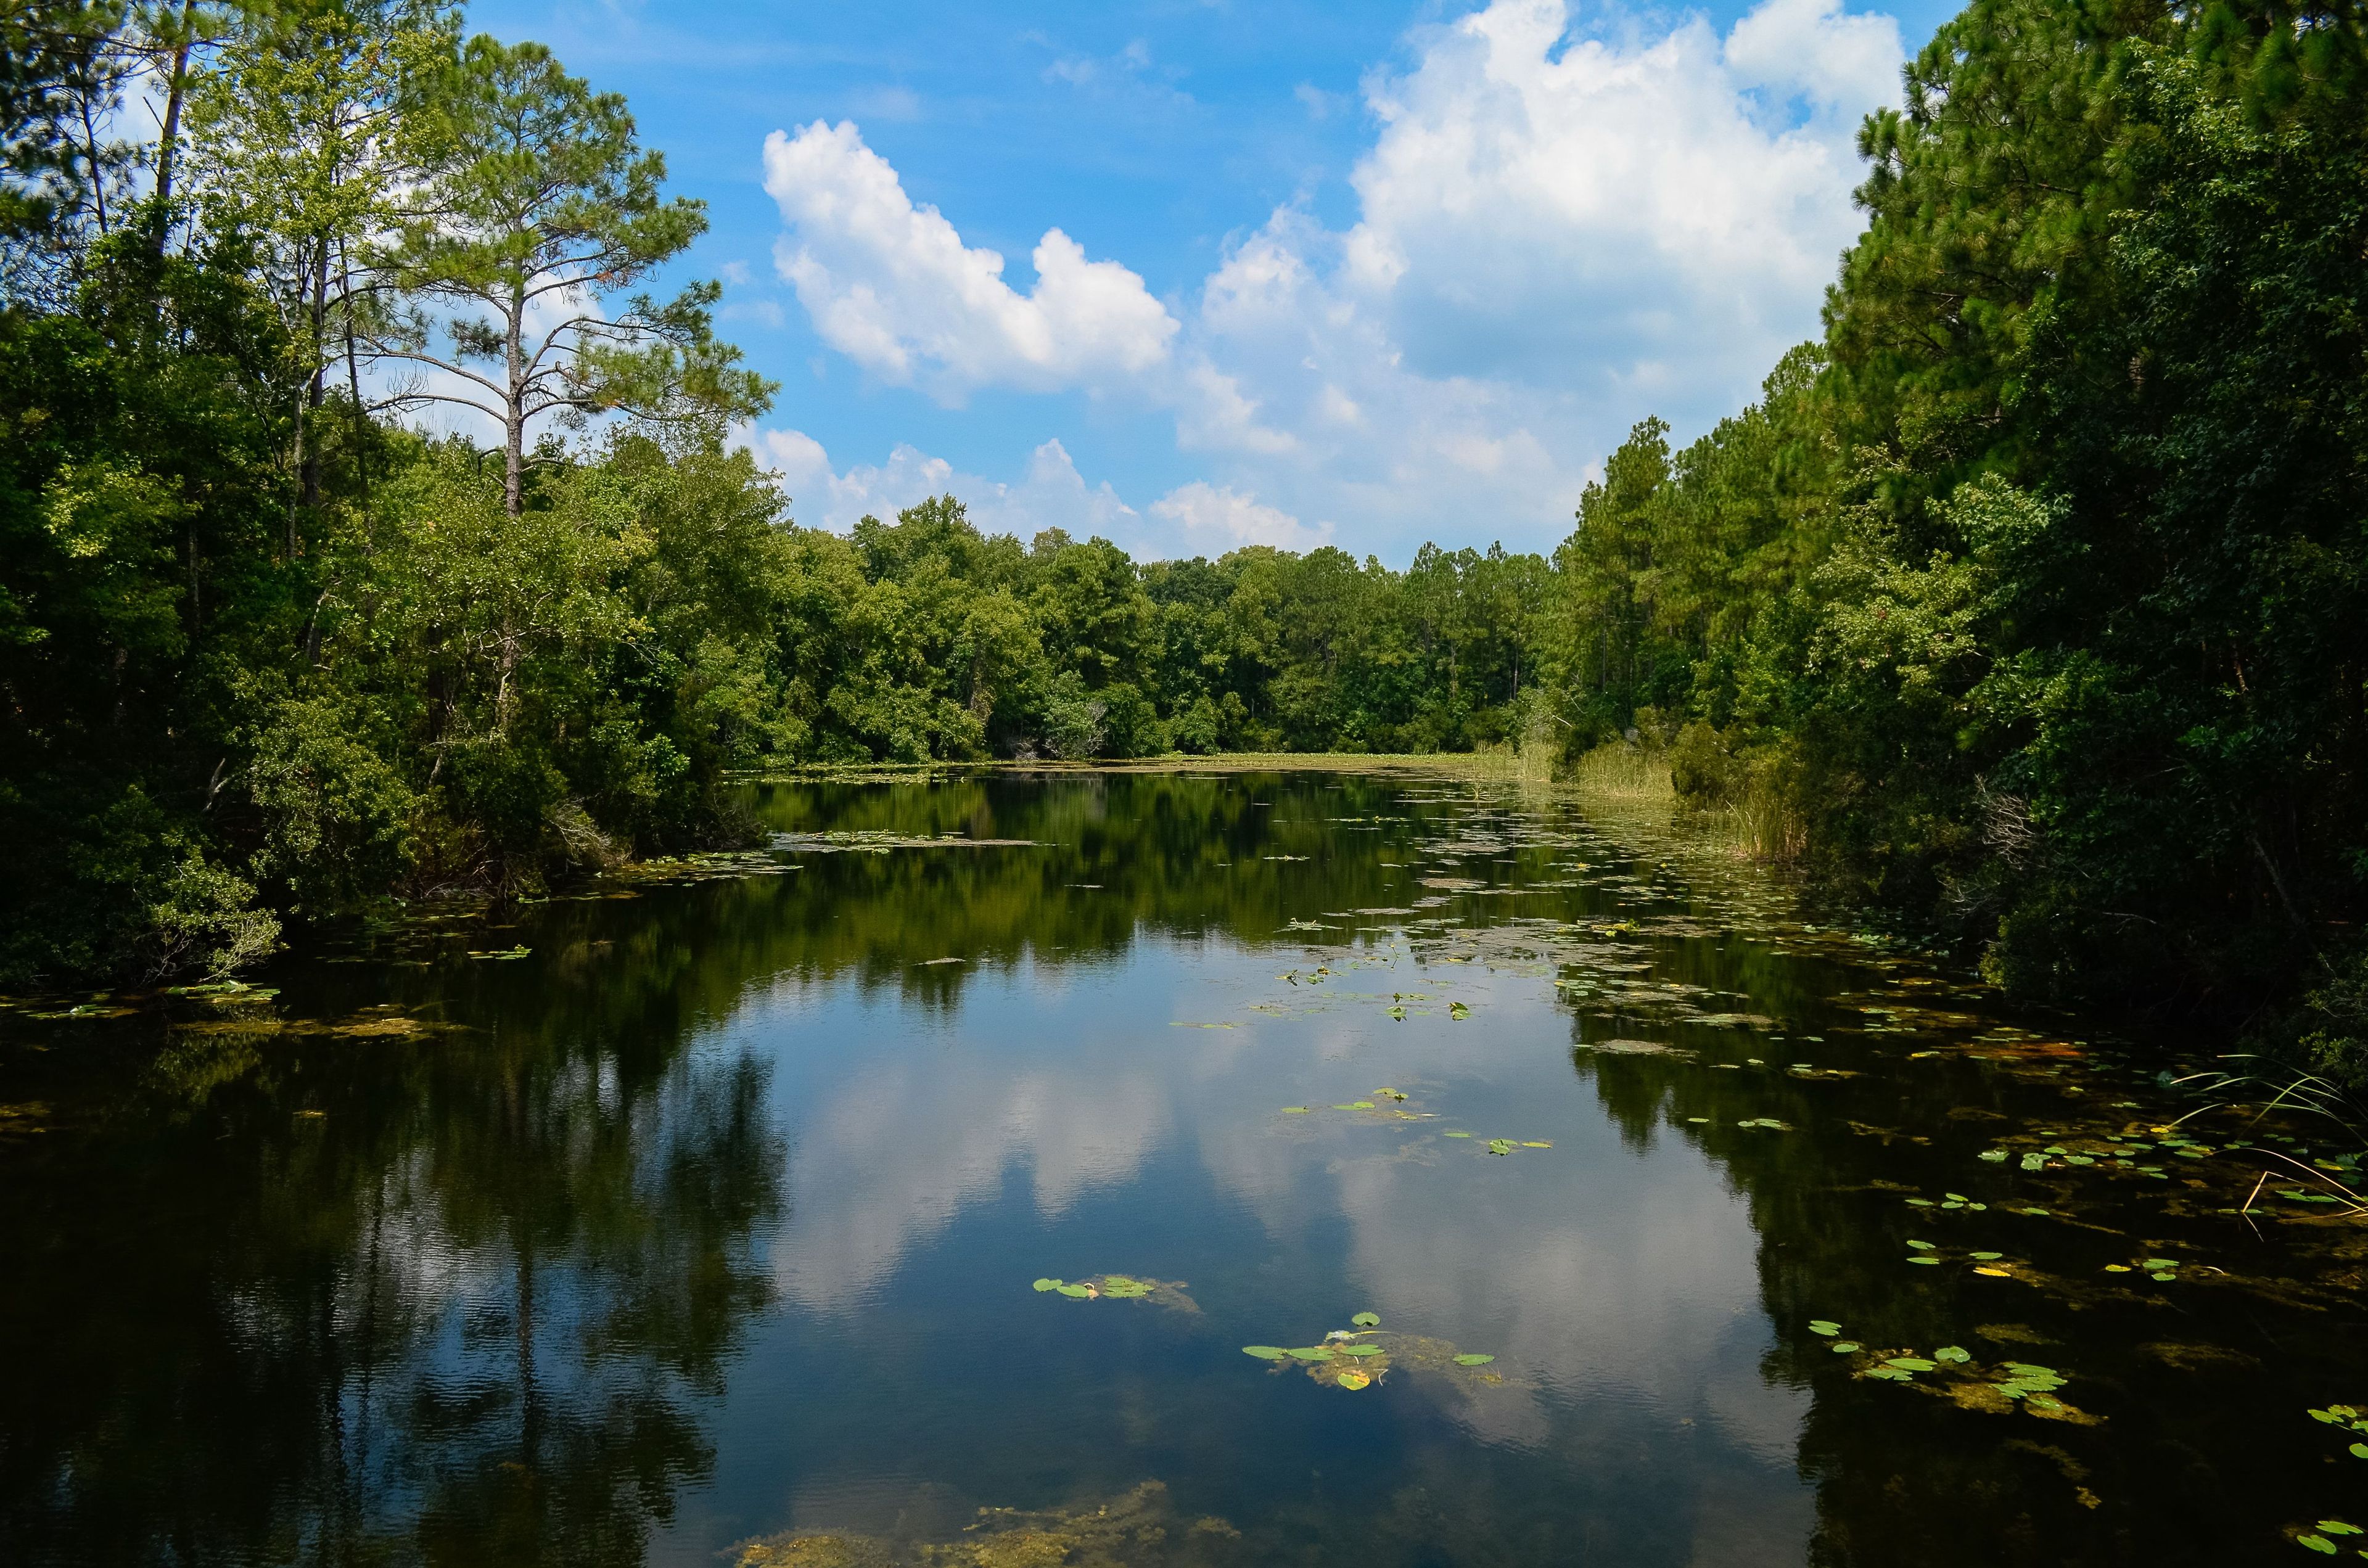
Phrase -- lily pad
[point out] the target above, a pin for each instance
(1986, 1256)
(1076, 1292)
(1471, 1360)
(2317, 1543)
(1934, 1261)
(1845, 1347)
(1457, 1135)
(1294, 1110)
(1921, 1246)
(1050, 1284)
(1824, 1325)
(1353, 1380)
(1265, 1352)
(1534, 1143)
(1367, 1320)
(1356, 1349)
(1956, 1354)
(1312, 1353)
(1910, 1363)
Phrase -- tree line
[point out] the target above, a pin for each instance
(2027, 603)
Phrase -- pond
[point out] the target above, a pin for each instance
(1169, 1166)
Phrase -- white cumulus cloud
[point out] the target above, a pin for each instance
(1558, 232)
(1050, 494)
(1211, 519)
(1558, 210)
(893, 287)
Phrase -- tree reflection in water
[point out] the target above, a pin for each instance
(448, 1302)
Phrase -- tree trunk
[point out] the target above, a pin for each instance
(316, 391)
(514, 453)
(173, 91)
(90, 154)
(354, 383)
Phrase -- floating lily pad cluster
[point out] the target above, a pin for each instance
(1120, 1288)
(1995, 1389)
(1350, 1359)
(1986, 1262)
(2116, 1152)
(1950, 1200)
(2351, 1420)
(2316, 1540)
(1385, 1104)
(2162, 1270)
(1831, 1329)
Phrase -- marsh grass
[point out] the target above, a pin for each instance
(1752, 823)
(2267, 1087)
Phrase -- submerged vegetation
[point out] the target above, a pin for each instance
(2028, 604)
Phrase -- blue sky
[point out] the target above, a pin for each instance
(1364, 274)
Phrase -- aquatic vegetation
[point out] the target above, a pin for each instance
(1140, 1529)
(2316, 1540)
(874, 841)
(1951, 1371)
(1361, 1356)
(1120, 1287)
(2350, 1419)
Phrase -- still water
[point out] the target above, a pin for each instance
(724, 1214)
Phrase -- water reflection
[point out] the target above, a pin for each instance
(714, 1217)
(378, 1300)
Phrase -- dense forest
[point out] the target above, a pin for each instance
(2028, 605)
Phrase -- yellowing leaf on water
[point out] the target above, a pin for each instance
(1994, 1273)
(1353, 1380)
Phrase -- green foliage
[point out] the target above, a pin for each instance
(2032, 600)
(2029, 604)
